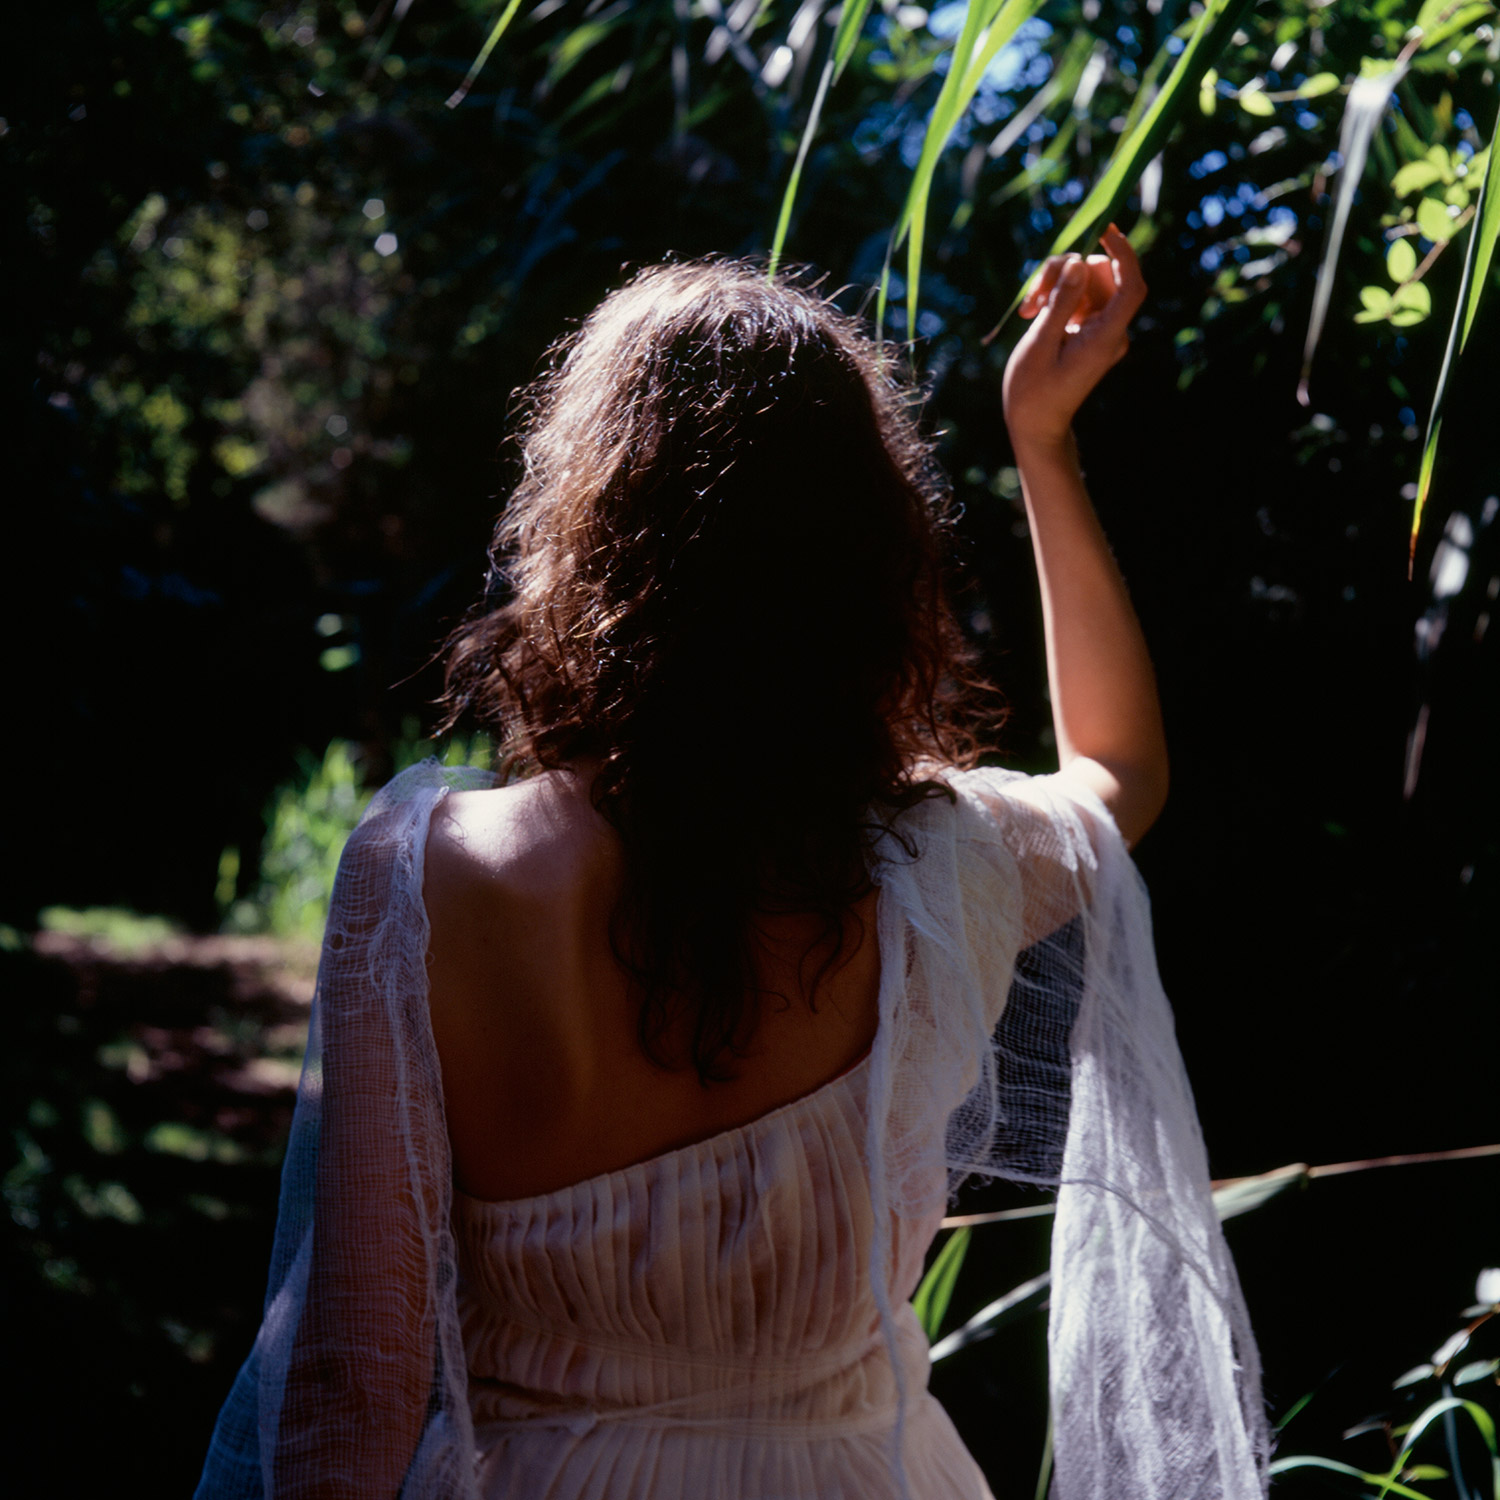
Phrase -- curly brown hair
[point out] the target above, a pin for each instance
(725, 588)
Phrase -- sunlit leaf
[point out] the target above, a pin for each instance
(1480, 1369)
(1434, 219)
(1415, 176)
(1253, 100)
(1400, 259)
(1413, 1376)
(1318, 84)
(936, 1291)
(1414, 297)
(1208, 91)
(1436, 30)
(1376, 300)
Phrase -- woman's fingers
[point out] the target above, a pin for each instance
(1037, 298)
(1066, 304)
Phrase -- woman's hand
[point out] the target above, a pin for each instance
(1083, 310)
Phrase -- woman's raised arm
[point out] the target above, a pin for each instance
(1104, 704)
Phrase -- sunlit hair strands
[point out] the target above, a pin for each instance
(723, 561)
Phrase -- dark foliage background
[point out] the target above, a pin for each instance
(256, 454)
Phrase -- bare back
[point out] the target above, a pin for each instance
(544, 1077)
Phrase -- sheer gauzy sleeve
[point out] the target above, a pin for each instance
(356, 1385)
(1154, 1371)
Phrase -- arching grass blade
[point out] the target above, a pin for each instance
(1212, 35)
(851, 23)
(1282, 1465)
(507, 15)
(988, 26)
(1363, 110)
(789, 197)
(1471, 288)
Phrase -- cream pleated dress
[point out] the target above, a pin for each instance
(703, 1323)
(731, 1320)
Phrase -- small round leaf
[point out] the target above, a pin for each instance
(1414, 296)
(1413, 177)
(1400, 259)
(1433, 220)
(1319, 83)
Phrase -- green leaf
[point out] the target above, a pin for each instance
(1484, 1422)
(1400, 259)
(1413, 295)
(1481, 1369)
(1254, 102)
(1208, 91)
(936, 1291)
(1476, 277)
(1414, 176)
(1433, 220)
(1436, 30)
(1376, 299)
(459, 94)
(1211, 36)
(1424, 471)
(851, 23)
(1318, 84)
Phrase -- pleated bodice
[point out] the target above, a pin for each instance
(703, 1323)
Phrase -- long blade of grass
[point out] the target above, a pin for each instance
(1282, 1465)
(989, 1319)
(1236, 1198)
(507, 15)
(1044, 164)
(1368, 97)
(1471, 289)
(1213, 33)
(936, 1291)
(1044, 1471)
(1481, 1418)
(851, 23)
(987, 27)
(789, 197)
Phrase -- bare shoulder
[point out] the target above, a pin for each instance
(529, 836)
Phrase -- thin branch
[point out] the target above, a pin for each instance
(1294, 1169)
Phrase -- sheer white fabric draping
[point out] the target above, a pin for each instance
(1023, 1034)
